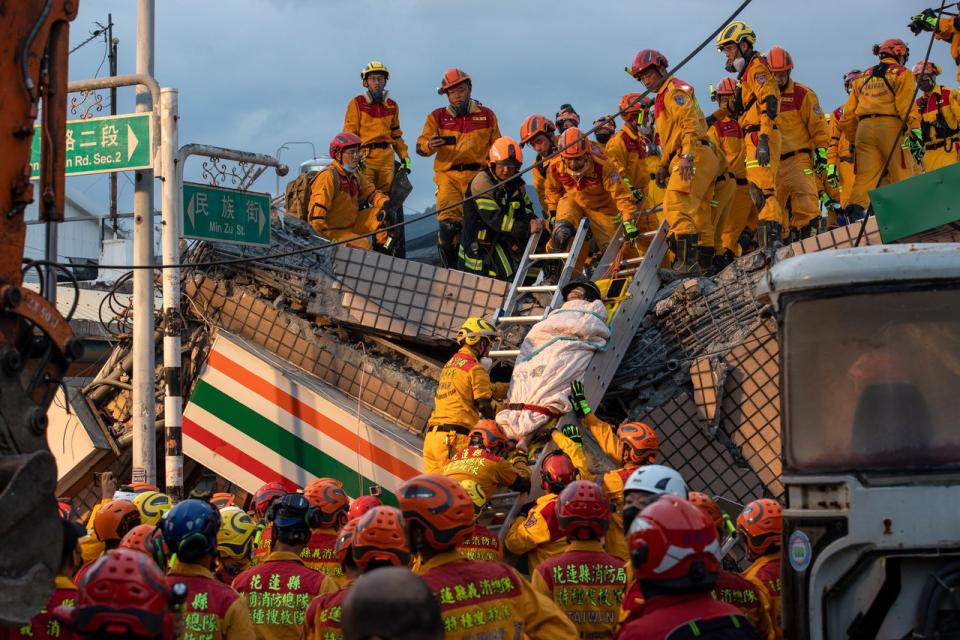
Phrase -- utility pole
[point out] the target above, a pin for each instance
(112, 55)
(143, 410)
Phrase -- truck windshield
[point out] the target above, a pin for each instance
(873, 381)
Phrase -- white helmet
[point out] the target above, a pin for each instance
(656, 479)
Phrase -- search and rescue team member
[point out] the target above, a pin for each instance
(540, 133)
(939, 110)
(331, 505)
(586, 582)
(460, 135)
(280, 588)
(464, 395)
(337, 192)
(212, 609)
(376, 119)
(485, 461)
(498, 218)
(478, 598)
(803, 151)
(873, 117)
(756, 107)
(689, 166)
(761, 526)
(947, 29)
(841, 154)
(581, 182)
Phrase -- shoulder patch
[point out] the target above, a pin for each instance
(614, 176)
(761, 78)
(816, 109)
(680, 99)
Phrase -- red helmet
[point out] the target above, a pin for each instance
(926, 69)
(673, 541)
(123, 593)
(65, 510)
(451, 78)
(583, 511)
(440, 506)
(330, 501)
(779, 60)
(535, 125)
(265, 496)
(114, 519)
(894, 47)
(761, 525)
(341, 549)
(148, 539)
(633, 103)
(706, 504)
(646, 59)
(573, 143)
(379, 539)
(341, 142)
(557, 471)
(489, 435)
(638, 443)
(361, 505)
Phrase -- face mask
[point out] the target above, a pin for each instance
(630, 514)
(376, 96)
(348, 167)
(463, 108)
(603, 137)
(646, 129)
(737, 65)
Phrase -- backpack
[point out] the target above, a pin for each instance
(297, 194)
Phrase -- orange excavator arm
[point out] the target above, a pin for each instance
(36, 343)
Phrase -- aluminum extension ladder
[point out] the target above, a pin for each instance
(644, 284)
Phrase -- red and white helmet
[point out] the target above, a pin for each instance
(674, 542)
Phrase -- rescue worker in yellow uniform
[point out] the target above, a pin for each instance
(604, 128)
(689, 166)
(329, 514)
(840, 154)
(803, 150)
(490, 460)
(880, 100)
(761, 526)
(627, 149)
(235, 543)
(478, 598)
(733, 235)
(581, 182)
(460, 135)
(498, 219)
(536, 530)
(540, 133)
(375, 118)
(464, 395)
(756, 105)
(939, 109)
(946, 28)
(337, 193)
(483, 544)
(567, 118)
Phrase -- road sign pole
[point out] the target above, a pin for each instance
(143, 411)
(170, 231)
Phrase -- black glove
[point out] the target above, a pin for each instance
(562, 233)
(572, 431)
(663, 172)
(763, 150)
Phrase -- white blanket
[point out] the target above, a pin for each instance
(555, 352)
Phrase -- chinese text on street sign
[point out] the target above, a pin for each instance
(226, 215)
(102, 145)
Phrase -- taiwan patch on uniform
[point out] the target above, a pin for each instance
(531, 522)
(614, 176)
(817, 110)
(680, 99)
(761, 78)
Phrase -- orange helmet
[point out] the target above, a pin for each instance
(451, 78)
(330, 500)
(440, 506)
(706, 504)
(926, 69)
(223, 499)
(489, 435)
(341, 550)
(114, 519)
(567, 114)
(361, 505)
(506, 151)
(645, 59)
(604, 125)
(379, 540)
(779, 60)
(148, 539)
(65, 509)
(140, 487)
(894, 47)
(761, 525)
(573, 143)
(726, 87)
(535, 125)
(633, 103)
(557, 471)
(638, 443)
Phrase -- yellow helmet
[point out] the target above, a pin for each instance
(236, 535)
(474, 330)
(374, 66)
(475, 491)
(736, 32)
(152, 505)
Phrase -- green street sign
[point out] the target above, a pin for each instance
(226, 215)
(103, 145)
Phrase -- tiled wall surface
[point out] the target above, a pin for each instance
(839, 238)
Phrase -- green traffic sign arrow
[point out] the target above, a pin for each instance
(103, 145)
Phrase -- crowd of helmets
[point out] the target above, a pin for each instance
(766, 167)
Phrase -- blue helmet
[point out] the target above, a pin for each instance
(190, 528)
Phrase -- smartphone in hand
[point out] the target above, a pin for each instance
(449, 140)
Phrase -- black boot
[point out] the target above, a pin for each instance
(721, 261)
(770, 236)
(811, 229)
(855, 213)
(705, 258)
(686, 253)
(794, 235)
(747, 241)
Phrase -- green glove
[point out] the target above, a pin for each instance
(827, 201)
(914, 144)
(820, 160)
(572, 431)
(630, 230)
(406, 164)
(927, 21)
(833, 175)
(578, 398)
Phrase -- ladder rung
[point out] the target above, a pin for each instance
(519, 319)
(633, 260)
(540, 288)
(625, 272)
(549, 256)
(505, 353)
